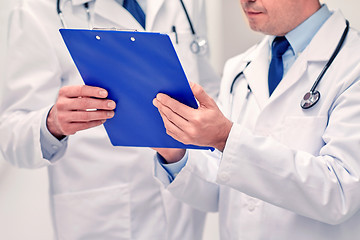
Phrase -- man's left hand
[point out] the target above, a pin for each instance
(204, 126)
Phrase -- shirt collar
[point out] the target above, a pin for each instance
(301, 36)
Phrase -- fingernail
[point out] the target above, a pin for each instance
(154, 102)
(110, 114)
(159, 97)
(103, 93)
(111, 104)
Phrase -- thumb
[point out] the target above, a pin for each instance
(201, 96)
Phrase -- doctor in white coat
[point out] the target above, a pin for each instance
(97, 191)
(280, 171)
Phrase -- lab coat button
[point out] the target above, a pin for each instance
(252, 204)
(224, 176)
(55, 147)
(251, 207)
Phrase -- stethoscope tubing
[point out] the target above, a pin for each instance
(333, 56)
(61, 15)
(313, 90)
(237, 77)
(195, 47)
(313, 96)
(188, 18)
(86, 6)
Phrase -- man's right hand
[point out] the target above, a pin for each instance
(79, 108)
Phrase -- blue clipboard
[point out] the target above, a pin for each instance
(133, 67)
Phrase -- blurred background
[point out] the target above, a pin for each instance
(24, 206)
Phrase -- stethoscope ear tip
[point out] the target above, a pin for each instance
(310, 99)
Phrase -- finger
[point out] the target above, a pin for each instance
(203, 98)
(175, 106)
(172, 129)
(169, 125)
(85, 103)
(83, 91)
(173, 117)
(89, 116)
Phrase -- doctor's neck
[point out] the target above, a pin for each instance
(278, 17)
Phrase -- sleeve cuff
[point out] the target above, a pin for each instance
(173, 169)
(163, 172)
(50, 145)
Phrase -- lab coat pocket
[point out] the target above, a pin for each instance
(304, 133)
(94, 214)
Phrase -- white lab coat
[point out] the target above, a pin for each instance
(97, 191)
(285, 173)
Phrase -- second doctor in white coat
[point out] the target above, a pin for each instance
(97, 191)
(282, 172)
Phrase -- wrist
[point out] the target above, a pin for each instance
(171, 155)
(52, 127)
(220, 145)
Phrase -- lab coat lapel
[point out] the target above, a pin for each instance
(114, 12)
(317, 51)
(256, 73)
(151, 13)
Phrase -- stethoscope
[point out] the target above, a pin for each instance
(311, 97)
(61, 15)
(198, 46)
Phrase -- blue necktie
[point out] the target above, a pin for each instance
(276, 68)
(134, 8)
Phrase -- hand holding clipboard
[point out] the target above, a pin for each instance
(133, 67)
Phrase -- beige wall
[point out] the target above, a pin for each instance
(230, 34)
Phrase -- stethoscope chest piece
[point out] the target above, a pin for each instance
(310, 99)
(199, 46)
(313, 96)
